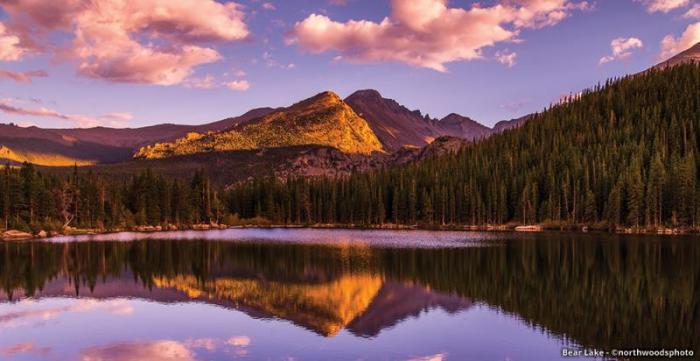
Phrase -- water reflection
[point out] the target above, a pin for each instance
(529, 293)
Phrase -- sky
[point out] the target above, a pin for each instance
(131, 63)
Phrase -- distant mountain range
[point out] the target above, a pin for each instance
(364, 123)
(66, 147)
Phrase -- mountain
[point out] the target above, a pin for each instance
(137, 137)
(49, 148)
(395, 125)
(688, 56)
(455, 125)
(363, 304)
(504, 125)
(321, 120)
(88, 146)
(363, 123)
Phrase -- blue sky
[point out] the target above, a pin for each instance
(551, 60)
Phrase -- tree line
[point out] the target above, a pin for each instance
(624, 153)
(31, 200)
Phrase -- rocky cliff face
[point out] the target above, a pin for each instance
(455, 125)
(395, 125)
(330, 162)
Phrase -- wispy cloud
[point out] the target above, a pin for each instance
(514, 106)
(435, 357)
(24, 348)
(693, 12)
(621, 49)
(238, 85)
(23, 77)
(114, 119)
(663, 5)
(165, 350)
(154, 351)
(506, 57)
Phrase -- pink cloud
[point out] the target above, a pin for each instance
(130, 41)
(239, 341)
(24, 348)
(663, 5)
(114, 119)
(428, 33)
(621, 49)
(22, 77)
(671, 45)
(154, 350)
(693, 12)
(10, 48)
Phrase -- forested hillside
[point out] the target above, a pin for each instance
(622, 154)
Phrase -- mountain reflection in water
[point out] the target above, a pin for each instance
(603, 292)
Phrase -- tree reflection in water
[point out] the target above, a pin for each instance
(600, 291)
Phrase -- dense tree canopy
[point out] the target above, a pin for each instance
(32, 200)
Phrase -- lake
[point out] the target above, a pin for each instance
(300, 294)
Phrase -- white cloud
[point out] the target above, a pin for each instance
(238, 85)
(506, 57)
(435, 357)
(621, 49)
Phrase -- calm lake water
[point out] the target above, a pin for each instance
(345, 295)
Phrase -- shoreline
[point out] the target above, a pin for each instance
(15, 235)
